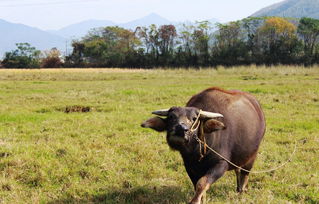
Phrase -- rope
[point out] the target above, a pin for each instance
(253, 172)
(197, 124)
(193, 128)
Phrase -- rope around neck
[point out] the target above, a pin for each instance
(197, 124)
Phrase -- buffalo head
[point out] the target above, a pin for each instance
(181, 124)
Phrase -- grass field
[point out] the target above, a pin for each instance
(103, 156)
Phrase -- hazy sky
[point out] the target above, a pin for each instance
(54, 14)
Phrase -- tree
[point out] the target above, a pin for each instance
(111, 46)
(150, 38)
(308, 29)
(159, 43)
(185, 37)
(185, 53)
(24, 56)
(52, 59)
(76, 59)
(276, 42)
(201, 36)
(230, 47)
(250, 28)
(166, 38)
(167, 35)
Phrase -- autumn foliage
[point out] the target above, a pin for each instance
(260, 41)
(278, 26)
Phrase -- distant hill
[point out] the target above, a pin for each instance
(79, 30)
(153, 18)
(291, 8)
(12, 33)
(213, 21)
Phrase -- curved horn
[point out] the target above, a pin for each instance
(162, 112)
(205, 114)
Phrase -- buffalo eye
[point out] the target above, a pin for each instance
(170, 117)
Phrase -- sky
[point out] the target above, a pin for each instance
(55, 14)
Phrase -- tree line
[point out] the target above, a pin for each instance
(260, 41)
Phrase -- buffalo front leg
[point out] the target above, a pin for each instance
(207, 180)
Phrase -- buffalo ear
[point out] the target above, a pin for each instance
(155, 123)
(213, 125)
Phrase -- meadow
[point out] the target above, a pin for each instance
(52, 152)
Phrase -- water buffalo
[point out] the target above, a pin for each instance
(232, 123)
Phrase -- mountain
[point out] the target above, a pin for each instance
(152, 18)
(79, 30)
(213, 21)
(291, 8)
(12, 33)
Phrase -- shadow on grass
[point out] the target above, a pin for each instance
(138, 195)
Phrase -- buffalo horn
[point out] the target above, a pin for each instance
(205, 114)
(162, 112)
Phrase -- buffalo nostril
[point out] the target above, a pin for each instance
(183, 127)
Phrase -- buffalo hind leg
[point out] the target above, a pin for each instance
(242, 180)
(242, 177)
(237, 171)
(207, 180)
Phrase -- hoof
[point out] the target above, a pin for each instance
(194, 202)
(241, 190)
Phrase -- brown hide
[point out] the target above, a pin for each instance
(243, 118)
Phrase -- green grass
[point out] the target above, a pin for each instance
(48, 156)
